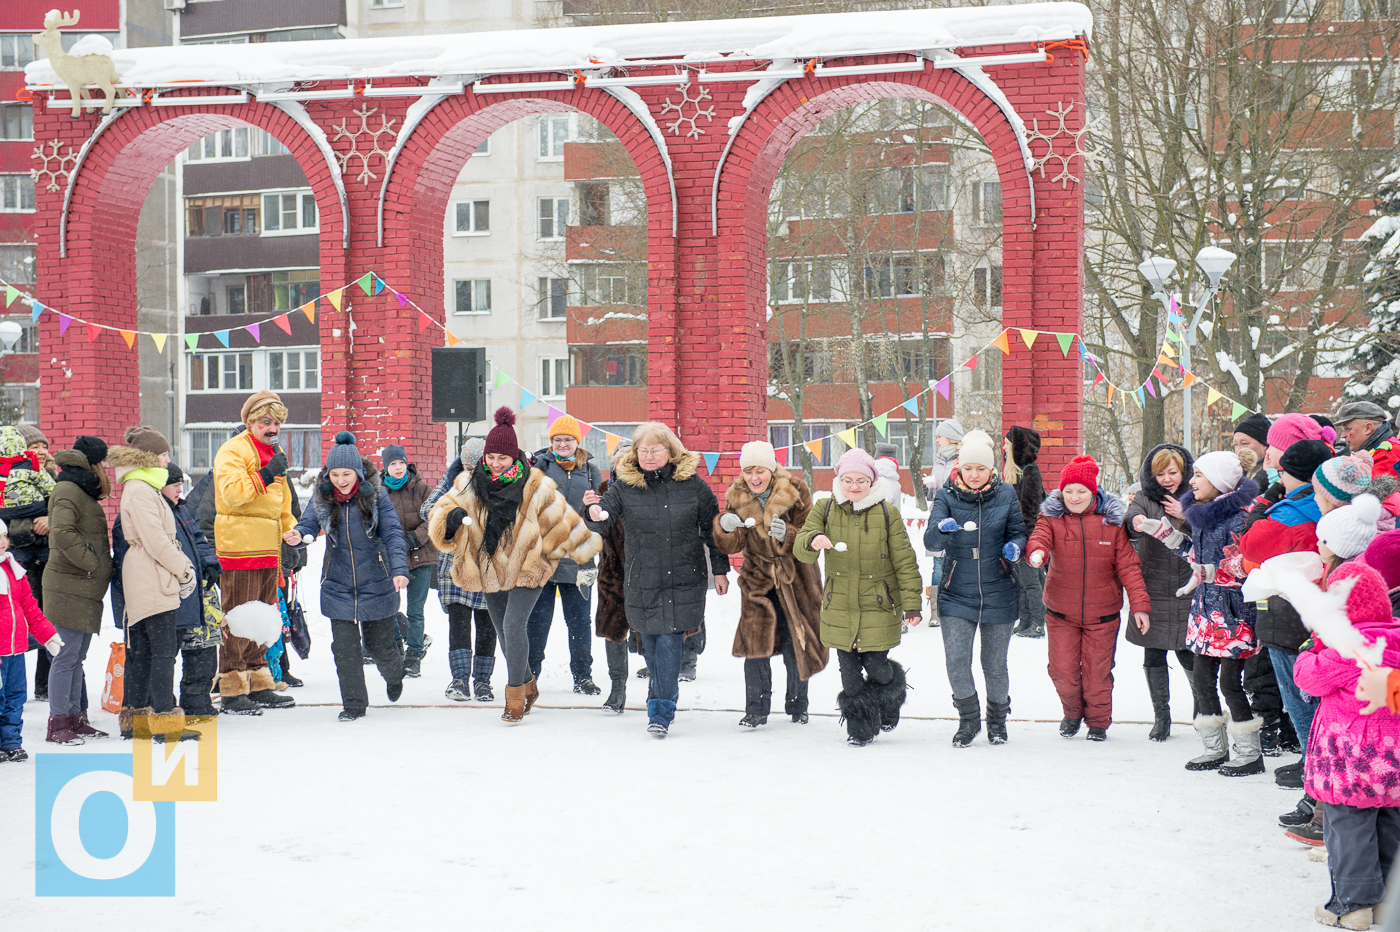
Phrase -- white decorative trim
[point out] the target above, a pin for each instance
(298, 112)
(73, 177)
(633, 102)
(414, 115)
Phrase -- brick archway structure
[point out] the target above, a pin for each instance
(707, 177)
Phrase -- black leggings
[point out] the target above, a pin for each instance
(1231, 684)
(876, 664)
(1157, 657)
(459, 630)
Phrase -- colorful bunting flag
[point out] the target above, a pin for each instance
(378, 284)
(221, 336)
(63, 321)
(1188, 378)
(159, 339)
(880, 423)
(1138, 397)
(129, 336)
(366, 283)
(711, 461)
(527, 398)
(1173, 335)
(1098, 377)
(1169, 350)
(814, 447)
(192, 341)
(255, 330)
(1110, 393)
(1065, 340)
(971, 363)
(334, 298)
(941, 386)
(403, 298)
(612, 440)
(1148, 385)
(283, 324)
(911, 405)
(502, 378)
(1173, 317)
(309, 309)
(1237, 410)
(1165, 360)
(1029, 336)
(452, 338)
(848, 437)
(1212, 397)
(423, 320)
(11, 292)
(1003, 343)
(92, 332)
(781, 456)
(554, 414)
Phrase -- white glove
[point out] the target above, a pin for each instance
(1036, 558)
(1199, 574)
(1161, 530)
(778, 529)
(53, 645)
(729, 522)
(187, 585)
(587, 577)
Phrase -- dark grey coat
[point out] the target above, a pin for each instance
(1162, 570)
(572, 484)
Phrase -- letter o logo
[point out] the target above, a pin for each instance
(67, 838)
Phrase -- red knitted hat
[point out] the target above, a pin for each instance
(1367, 602)
(502, 438)
(1083, 471)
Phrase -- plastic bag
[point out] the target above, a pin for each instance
(112, 684)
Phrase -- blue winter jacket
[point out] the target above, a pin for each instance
(977, 582)
(365, 549)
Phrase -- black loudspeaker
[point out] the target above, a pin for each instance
(459, 383)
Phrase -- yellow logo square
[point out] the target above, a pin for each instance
(174, 771)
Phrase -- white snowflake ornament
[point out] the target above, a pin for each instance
(1084, 145)
(55, 163)
(372, 142)
(701, 94)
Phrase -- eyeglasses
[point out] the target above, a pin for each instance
(854, 482)
(652, 451)
(562, 441)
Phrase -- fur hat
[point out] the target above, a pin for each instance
(1025, 445)
(1302, 458)
(1082, 470)
(1349, 530)
(391, 453)
(1342, 478)
(1360, 411)
(502, 437)
(345, 455)
(951, 428)
(856, 460)
(147, 439)
(32, 435)
(1256, 426)
(174, 475)
(758, 453)
(977, 450)
(93, 448)
(1222, 469)
(887, 451)
(1291, 428)
(1383, 556)
(263, 404)
(565, 425)
(1367, 602)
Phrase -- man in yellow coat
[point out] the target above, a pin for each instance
(253, 508)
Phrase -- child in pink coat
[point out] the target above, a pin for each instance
(1353, 760)
(19, 618)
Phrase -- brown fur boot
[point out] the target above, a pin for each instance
(170, 724)
(141, 722)
(124, 723)
(532, 692)
(516, 704)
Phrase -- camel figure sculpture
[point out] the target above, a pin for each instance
(78, 71)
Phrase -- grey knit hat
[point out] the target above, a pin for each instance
(393, 452)
(472, 451)
(951, 428)
(1360, 411)
(345, 455)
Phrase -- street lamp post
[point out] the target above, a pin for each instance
(1214, 262)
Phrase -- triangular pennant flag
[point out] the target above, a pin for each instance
(971, 363)
(192, 341)
(1098, 377)
(1029, 336)
(1110, 394)
(255, 330)
(403, 298)
(37, 309)
(1173, 317)
(1157, 373)
(1237, 410)
(1165, 360)
(11, 292)
(1212, 397)
(423, 320)
(781, 456)
(63, 321)
(814, 447)
(502, 378)
(309, 309)
(129, 336)
(1003, 343)
(1138, 397)
(848, 437)
(283, 324)
(452, 338)
(1173, 335)
(941, 386)
(1148, 385)
(1188, 379)
(612, 440)
(334, 298)
(527, 398)
(880, 423)
(1168, 349)
(378, 284)
(221, 336)
(159, 339)
(711, 461)
(554, 414)
(1174, 307)
(92, 331)
(1065, 339)
(366, 283)
(584, 428)
(912, 406)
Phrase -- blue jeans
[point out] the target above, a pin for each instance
(577, 611)
(663, 656)
(419, 582)
(13, 689)
(1300, 707)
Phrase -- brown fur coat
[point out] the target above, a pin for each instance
(769, 567)
(611, 621)
(545, 530)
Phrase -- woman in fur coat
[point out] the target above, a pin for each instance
(610, 623)
(366, 564)
(780, 598)
(509, 527)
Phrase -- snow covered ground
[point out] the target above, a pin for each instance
(429, 812)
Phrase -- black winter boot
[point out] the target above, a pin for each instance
(969, 720)
(1159, 688)
(1287, 736)
(890, 697)
(861, 713)
(996, 721)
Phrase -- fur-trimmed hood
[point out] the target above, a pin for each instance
(1113, 509)
(881, 490)
(628, 472)
(1025, 445)
(125, 459)
(1204, 515)
(1150, 486)
(366, 497)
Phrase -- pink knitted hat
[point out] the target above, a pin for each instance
(857, 461)
(1383, 556)
(1367, 603)
(1291, 428)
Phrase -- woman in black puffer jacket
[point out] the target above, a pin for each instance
(1019, 451)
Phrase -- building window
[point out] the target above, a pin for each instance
(236, 303)
(17, 51)
(221, 372)
(554, 298)
(554, 217)
(799, 282)
(603, 365)
(780, 435)
(473, 296)
(290, 290)
(608, 284)
(903, 190)
(593, 204)
(554, 132)
(226, 145)
(204, 444)
(554, 376)
(17, 264)
(18, 193)
(986, 286)
(16, 121)
(986, 203)
(235, 214)
(303, 448)
(473, 218)
(28, 341)
(289, 212)
(484, 148)
(293, 370)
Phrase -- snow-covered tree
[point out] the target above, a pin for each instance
(1377, 358)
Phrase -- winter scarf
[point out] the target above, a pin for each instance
(566, 463)
(989, 489)
(84, 479)
(347, 495)
(395, 484)
(502, 498)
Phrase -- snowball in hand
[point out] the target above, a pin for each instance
(839, 545)
(749, 522)
(602, 515)
(970, 526)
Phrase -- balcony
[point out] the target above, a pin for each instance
(210, 254)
